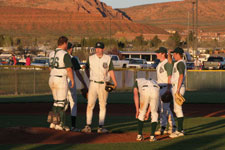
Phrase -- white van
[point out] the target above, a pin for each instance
(150, 57)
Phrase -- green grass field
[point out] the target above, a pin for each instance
(202, 133)
(125, 98)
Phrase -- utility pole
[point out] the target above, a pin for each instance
(110, 33)
(188, 32)
(196, 44)
(193, 24)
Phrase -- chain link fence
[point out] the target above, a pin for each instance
(22, 81)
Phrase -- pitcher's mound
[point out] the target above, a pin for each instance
(40, 135)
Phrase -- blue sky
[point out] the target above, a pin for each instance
(129, 3)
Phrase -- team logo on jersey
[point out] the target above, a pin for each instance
(161, 70)
(105, 65)
(174, 70)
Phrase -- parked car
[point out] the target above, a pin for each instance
(117, 63)
(190, 65)
(214, 62)
(40, 61)
(137, 63)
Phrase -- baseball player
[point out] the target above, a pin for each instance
(177, 80)
(164, 72)
(149, 95)
(99, 69)
(72, 95)
(60, 69)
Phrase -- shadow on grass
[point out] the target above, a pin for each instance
(207, 127)
(203, 142)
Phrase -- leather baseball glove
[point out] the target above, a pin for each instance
(167, 97)
(84, 93)
(109, 87)
(179, 99)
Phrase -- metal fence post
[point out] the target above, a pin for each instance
(123, 79)
(16, 81)
(34, 82)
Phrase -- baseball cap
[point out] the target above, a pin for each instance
(161, 50)
(178, 50)
(100, 45)
(70, 45)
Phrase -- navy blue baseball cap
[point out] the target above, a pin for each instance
(70, 45)
(178, 50)
(100, 45)
(161, 50)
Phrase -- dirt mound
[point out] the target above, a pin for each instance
(38, 135)
(174, 15)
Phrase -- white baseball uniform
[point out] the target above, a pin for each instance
(59, 61)
(149, 95)
(163, 71)
(174, 80)
(99, 75)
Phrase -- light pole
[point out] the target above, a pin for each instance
(110, 33)
(193, 24)
(196, 27)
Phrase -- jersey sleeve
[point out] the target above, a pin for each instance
(67, 61)
(169, 69)
(111, 67)
(76, 65)
(135, 85)
(181, 67)
(87, 64)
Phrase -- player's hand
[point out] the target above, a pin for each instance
(72, 85)
(170, 50)
(146, 116)
(137, 114)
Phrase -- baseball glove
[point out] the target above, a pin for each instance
(179, 99)
(84, 93)
(167, 97)
(109, 87)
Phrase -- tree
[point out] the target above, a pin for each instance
(155, 42)
(174, 40)
(139, 41)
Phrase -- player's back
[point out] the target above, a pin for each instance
(57, 62)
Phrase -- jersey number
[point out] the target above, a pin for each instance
(54, 62)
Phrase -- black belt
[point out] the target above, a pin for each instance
(163, 86)
(58, 76)
(99, 82)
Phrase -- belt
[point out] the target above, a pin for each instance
(58, 76)
(162, 86)
(99, 82)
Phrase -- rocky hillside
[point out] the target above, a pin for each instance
(71, 17)
(174, 15)
(94, 7)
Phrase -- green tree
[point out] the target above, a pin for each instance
(155, 42)
(174, 40)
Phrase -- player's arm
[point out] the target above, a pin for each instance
(87, 69)
(112, 73)
(170, 60)
(76, 67)
(68, 65)
(169, 69)
(147, 113)
(136, 100)
(80, 77)
(181, 70)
